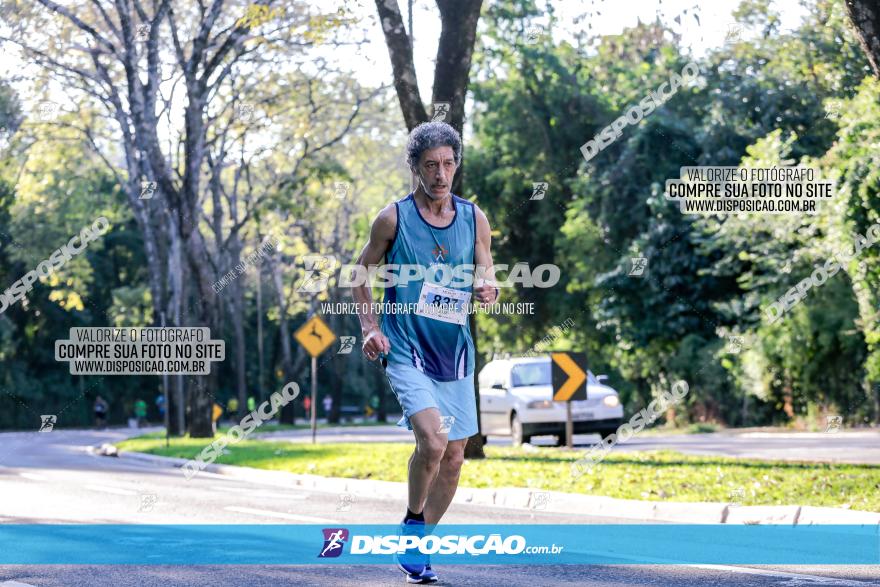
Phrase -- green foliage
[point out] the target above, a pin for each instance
(769, 98)
(772, 97)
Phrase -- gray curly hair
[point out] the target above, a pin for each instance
(429, 135)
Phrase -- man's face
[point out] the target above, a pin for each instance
(436, 170)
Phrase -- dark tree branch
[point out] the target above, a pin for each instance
(865, 17)
(401, 54)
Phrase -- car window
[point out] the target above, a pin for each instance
(531, 374)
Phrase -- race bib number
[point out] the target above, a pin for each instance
(443, 303)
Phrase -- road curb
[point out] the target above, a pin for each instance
(549, 501)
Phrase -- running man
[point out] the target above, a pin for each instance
(428, 357)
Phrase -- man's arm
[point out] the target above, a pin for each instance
(381, 235)
(485, 290)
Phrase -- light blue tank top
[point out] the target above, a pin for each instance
(443, 351)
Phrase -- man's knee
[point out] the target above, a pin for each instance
(453, 458)
(431, 450)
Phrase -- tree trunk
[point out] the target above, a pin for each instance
(260, 382)
(865, 17)
(176, 283)
(287, 415)
(458, 19)
(474, 447)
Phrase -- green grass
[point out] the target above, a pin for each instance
(702, 428)
(655, 476)
(264, 428)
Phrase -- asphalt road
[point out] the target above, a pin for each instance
(52, 478)
(856, 446)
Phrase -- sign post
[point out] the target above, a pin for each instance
(315, 336)
(569, 378)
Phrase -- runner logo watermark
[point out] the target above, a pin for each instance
(533, 33)
(344, 502)
(441, 111)
(148, 501)
(342, 188)
(148, 188)
(539, 500)
(539, 190)
(346, 344)
(638, 264)
(319, 270)
(334, 540)
(446, 423)
(833, 424)
(47, 422)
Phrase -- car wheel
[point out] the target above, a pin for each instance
(516, 431)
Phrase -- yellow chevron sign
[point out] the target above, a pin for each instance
(569, 376)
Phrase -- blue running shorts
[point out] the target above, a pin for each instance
(416, 391)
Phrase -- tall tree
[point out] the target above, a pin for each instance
(458, 32)
(865, 17)
(121, 56)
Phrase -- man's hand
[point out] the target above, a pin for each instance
(374, 343)
(486, 293)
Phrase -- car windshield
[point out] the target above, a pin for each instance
(526, 374)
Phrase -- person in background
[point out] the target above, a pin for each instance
(252, 404)
(101, 407)
(160, 405)
(232, 407)
(328, 405)
(374, 404)
(140, 412)
(215, 415)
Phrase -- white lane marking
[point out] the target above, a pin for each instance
(34, 477)
(813, 579)
(280, 515)
(261, 493)
(15, 584)
(108, 489)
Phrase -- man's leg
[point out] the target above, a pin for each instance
(443, 488)
(425, 462)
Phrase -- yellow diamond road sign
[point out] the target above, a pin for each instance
(315, 336)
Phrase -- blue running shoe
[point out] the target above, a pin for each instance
(426, 578)
(429, 575)
(412, 562)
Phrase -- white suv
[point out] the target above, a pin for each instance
(516, 399)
